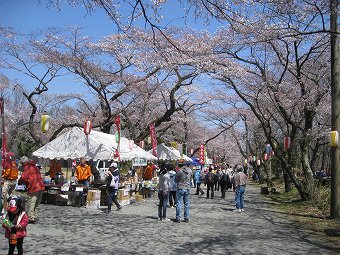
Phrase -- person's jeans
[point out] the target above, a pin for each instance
(183, 195)
(112, 198)
(199, 189)
(85, 183)
(239, 196)
(210, 186)
(33, 201)
(163, 203)
(172, 198)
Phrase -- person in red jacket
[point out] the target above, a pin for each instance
(15, 222)
(31, 177)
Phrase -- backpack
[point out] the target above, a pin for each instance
(211, 177)
(224, 178)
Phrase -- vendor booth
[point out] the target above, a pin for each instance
(169, 153)
(75, 144)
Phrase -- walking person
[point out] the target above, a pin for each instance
(225, 179)
(112, 186)
(15, 222)
(173, 189)
(198, 177)
(209, 180)
(183, 179)
(163, 192)
(240, 181)
(31, 177)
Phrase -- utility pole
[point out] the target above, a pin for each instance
(335, 111)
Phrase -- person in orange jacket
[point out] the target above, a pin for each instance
(55, 167)
(9, 175)
(148, 172)
(83, 173)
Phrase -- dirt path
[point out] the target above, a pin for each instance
(214, 228)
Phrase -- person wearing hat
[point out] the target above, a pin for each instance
(31, 177)
(9, 176)
(112, 186)
(240, 182)
(183, 179)
(15, 222)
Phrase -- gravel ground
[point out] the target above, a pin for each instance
(214, 228)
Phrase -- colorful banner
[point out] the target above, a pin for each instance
(153, 139)
(3, 133)
(117, 122)
(201, 155)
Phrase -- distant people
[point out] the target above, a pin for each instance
(148, 172)
(224, 182)
(198, 177)
(15, 222)
(112, 186)
(163, 192)
(210, 180)
(83, 173)
(31, 177)
(240, 180)
(55, 167)
(9, 176)
(183, 179)
(217, 179)
(173, 188)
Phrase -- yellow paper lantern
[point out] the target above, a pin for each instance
(45, 122)
(334, 138)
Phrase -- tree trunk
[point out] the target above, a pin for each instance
(335, 95)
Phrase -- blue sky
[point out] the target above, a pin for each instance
(30, 15)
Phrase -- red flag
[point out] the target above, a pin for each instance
(117, 122)
(153, 139)
(201, 158)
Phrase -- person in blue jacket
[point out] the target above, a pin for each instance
(198, 179)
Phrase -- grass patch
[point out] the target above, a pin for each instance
(310, 215)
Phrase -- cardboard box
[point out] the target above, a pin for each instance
(123, 194)
(139, 198)
(124, 202)
(93, 199)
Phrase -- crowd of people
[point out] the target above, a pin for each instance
(175, 183)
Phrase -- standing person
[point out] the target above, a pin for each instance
(163, 192)
(217, 176)
(83, 173)
(240, 180)
(9, 176)
(15, 222)
(112, 186)
(55, 167)
(148, 172)
(31, 177)
(183, 179)
(198, 178)
(173, 189)
(209, 180)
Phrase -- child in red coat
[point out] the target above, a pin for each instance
(15, 222)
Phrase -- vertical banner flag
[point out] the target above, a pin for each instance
(153, 139)
(201, 158)
(117, 122)
(180, 148)
(3, 134)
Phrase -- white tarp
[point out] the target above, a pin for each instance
(74, 144)
(169, 153)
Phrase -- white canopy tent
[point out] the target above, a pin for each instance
(169, 153)
(74, 144)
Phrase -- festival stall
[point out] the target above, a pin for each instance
(167, 153)
(95, 145)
